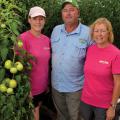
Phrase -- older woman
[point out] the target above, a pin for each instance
(102, 74)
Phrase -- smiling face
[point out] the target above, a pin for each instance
(70, 14)
(101, 34)
(36, 23)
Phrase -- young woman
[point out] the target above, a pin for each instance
(39, 46)
(102, 74)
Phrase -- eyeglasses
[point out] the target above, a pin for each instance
(101, 31)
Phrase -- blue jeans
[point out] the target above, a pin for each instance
(90, 112)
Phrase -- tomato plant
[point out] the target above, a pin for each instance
(15, 103)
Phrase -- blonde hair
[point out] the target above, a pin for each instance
(106, 22)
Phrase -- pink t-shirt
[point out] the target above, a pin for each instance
(100, 65)
(39, 47)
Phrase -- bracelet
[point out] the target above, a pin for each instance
(113, 106)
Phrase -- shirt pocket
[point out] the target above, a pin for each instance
(79, 50)
(55, 44)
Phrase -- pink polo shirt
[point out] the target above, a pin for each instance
(100, 65)
(39, 47)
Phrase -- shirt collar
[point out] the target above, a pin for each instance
(76, 31)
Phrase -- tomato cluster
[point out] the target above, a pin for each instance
(8, 85)
(13, 67)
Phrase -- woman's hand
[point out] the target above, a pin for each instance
(30, 95)
(110, 113)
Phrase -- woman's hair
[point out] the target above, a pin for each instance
(108, 25)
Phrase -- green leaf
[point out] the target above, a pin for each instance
(13, 37)
(13, 99)
(14, 28)
(18, 114)
(5, 42)
(18, 78)
(2, 74)
(11, 6)
(3, 109)
(2, 99)
(23, 110)
(4, 53)
(10, 108)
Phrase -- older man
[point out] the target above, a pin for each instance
(69, 44)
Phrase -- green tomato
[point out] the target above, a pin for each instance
(17, 63)
(3, 88)
(20, 43)
(3, 26)
(12, 83)
(13, 70)
(25, 77)
(3, 82)
(7, 80)
(19, 66)
(10, 91)
(8, 64)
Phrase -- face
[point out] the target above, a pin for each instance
(70, 14)
(101, 34)
(37, 23)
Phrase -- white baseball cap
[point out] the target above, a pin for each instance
(37, 11)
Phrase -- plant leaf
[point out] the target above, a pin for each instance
(4, 53)
(2, 74)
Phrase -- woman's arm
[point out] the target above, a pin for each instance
(110, 114)
(116, 90)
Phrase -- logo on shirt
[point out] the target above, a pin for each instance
(82, 41)
(103, 62)
(46, 48)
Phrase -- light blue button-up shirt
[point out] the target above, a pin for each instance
(68, 57)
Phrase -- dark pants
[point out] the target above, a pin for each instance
(38, 98)
(90, 112)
